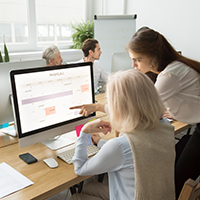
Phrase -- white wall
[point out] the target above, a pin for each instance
(178, 21)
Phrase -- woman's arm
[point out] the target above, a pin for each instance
(167, 86)
(87, 109)
(109, 158)
(97, 140)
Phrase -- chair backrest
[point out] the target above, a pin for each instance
(190, 190)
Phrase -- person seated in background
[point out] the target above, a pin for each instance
(52, 56)
(140, 162)
(92, 52)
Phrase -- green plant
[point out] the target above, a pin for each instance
(6, 56)
(83, 31)
(1, 58)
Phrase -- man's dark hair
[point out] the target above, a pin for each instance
(89, 44)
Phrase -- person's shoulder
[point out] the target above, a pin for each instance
(119, 142)
(122, 144)
(97, 62)
(175, 67)
(97, 65)
(174, 70)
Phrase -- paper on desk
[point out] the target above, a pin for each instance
(10, 131)
(11, 180)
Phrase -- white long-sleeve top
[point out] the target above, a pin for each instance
(114, 157)
(99, 73)
(179, 87)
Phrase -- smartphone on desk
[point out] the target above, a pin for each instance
(28, 158)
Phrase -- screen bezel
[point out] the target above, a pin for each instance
(40, 69)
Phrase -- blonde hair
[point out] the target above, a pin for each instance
(133, 101)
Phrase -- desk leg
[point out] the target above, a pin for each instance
(100, 177)
(74, 188)
(188, 131)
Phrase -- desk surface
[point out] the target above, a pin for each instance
(6, 140)
(180, 126)
(47, 181)
(101, 98)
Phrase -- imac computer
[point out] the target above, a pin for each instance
(42, 98)
(6, 114)
(120, 61)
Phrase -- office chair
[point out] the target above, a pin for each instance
(190, 190)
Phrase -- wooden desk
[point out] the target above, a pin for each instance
(180, 126)
(47, 181)
(6, 140)
(100, 98)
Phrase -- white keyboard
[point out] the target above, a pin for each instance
(68, 154)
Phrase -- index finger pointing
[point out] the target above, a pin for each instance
(76, 107)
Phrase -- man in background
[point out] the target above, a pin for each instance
(52, 56)
(92, 53)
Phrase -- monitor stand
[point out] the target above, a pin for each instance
(58, 142)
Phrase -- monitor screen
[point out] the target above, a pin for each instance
(42, 98)
(121, 61)
(6, 114)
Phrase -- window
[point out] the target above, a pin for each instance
(13, 21)
(53, 20)
(28, 25)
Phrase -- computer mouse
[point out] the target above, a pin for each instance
(51, 162)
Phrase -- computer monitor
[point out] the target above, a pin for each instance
(6, 114)
(121, 61)
(42, 98)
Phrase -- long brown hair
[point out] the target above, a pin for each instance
(148, 42)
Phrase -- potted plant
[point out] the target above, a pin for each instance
(83, 31)
(6, 56)
(1, 58)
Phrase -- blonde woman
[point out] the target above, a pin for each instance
(140, 162)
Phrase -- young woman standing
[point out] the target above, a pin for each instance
(178, 84)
